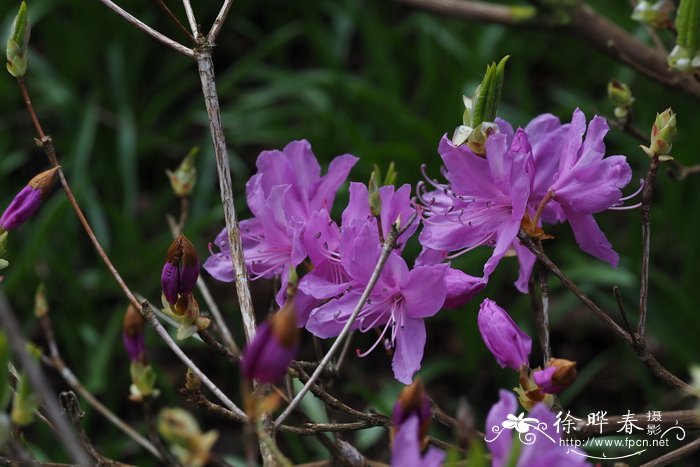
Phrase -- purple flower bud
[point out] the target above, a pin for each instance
(412, 400)
(28, 200)
(133, 336)
(135, 346)
(558, 375)
(181, 269)
(506, 341)
(276, 343)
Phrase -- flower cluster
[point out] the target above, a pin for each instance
(545, 173)
(293, 227)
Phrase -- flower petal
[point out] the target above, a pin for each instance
(500, 446)
(410, 343)
(424, 290)
(590, 238)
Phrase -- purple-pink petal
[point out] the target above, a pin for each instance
(170, 282)
(21, 208)
(508, 343)
(424, 290)
(265, 359)
(135, 345)
(501, 445)
(410, 344)
(543, 378)
(406, 450)
(591, 239)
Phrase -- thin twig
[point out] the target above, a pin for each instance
(40, 385)
(543, 318)
(389, 245)
(673, 456)
(55, 361)
(471, 10)
(569, 284)
(190, 17)
(621, 307)
(50, 151)
(211, 100)
(219, 21)
(218, 347)
(640, 349)
(680, 172)
(165, 455)
(335, 403)
(71, 407)
(151, 318)
(177, 22)
(646, 244)
(344, 352)
(148, 30)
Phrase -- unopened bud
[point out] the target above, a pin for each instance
(412, 400)
(267, 357)
(192, 381)
(662, 134)
(133, 335)
(181, 269)
(28, 200)
(184, 178)
(487, 95)
(656, 14)
(507, 342)
(17, 58)
(558, 375)
(620, 95)
(685, 56)
(41, 305)
(529, 394)
(143, 381)
(189, 444)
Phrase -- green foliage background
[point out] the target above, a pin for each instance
(372, 78)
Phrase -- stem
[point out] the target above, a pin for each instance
(639, 347)
(42, 388)
(211, 100)
(149, 416)
(569, 284)
(148, 30)
(190, 17)
(219, 21)
(672, 456)
(389, 245)
(543, 318)
(646, 244)
(151, 318)
(177, 22)
(30, 108)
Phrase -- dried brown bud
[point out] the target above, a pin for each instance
(134, 323)
(44, 181)
(284, 325)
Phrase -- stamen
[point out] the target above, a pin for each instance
(379, 339)
(459, 253)
(639, 190)
(625, 208)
